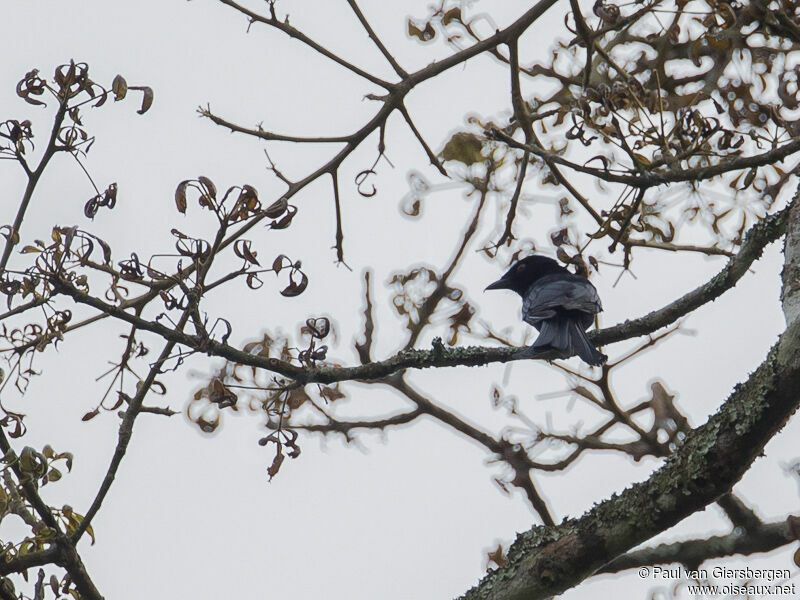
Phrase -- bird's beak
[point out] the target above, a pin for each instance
(500, 284)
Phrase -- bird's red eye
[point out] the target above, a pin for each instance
(521, 269)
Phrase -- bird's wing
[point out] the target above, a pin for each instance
(559, 291)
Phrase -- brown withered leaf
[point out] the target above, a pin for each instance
(147, 98)
(208, 186)
(295, 288)
(463, 147)
(246, 205)
(221, 395)
(318, 327)
(31, 85)
(331, 394)
(120, 87)
(454, 14)
(180, 196)
(413, 210)
(276, 463)
(296, 398)
(254, 282)
(286, 220)
(497, 556)
(90, 415)
(277, 264)
(276, 209)
(460, 321)
(426, 34)
(242, 249)
(19, 426)
(207, 426)
(560, 237)
(749, 178)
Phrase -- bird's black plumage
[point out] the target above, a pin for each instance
(557, 303)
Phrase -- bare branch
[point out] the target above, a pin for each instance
(386, 54)
(364, 348)
(707, 465)
(693, 553)
(292, 32)
(761, 234)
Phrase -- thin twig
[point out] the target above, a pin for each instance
(386, 54)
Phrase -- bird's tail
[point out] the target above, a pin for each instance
(568, 338)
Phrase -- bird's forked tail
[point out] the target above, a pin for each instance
(567, 337)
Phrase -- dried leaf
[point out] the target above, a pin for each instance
(180, 196)
(295, 288)
(242, 249)
(331, 394)
(463, 147)
(147, 98)
(276, 209)
(120, 87)
(209, 186)
(276, 463)
(90, 415)
(319, 327)
(425, 34)
(277, 264)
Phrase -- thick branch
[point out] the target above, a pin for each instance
(693, 553)
(546, 561)
(22, 562)
(756, 239)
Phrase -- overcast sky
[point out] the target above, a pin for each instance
(408, 515)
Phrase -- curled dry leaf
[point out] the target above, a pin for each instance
(276, 463)
(277, 264)
(108, 199)
(361, 178)
(90, 415)
(295, 288)
(286, 220)
(207, 186)
(242, 249)
(120, 87)
(276, 209)
(318, 327)
(424, 34)
(180, 196)
(147, 98)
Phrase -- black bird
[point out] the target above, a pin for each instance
(559, 304)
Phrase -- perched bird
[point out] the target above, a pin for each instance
(559, 304)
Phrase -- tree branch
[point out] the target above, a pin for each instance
(376, 40)
(656, 178)
(546, 561)
(761, 234)
(693, 553)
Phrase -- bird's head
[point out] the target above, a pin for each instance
(525, 272)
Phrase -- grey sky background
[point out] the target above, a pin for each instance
(406, 515)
